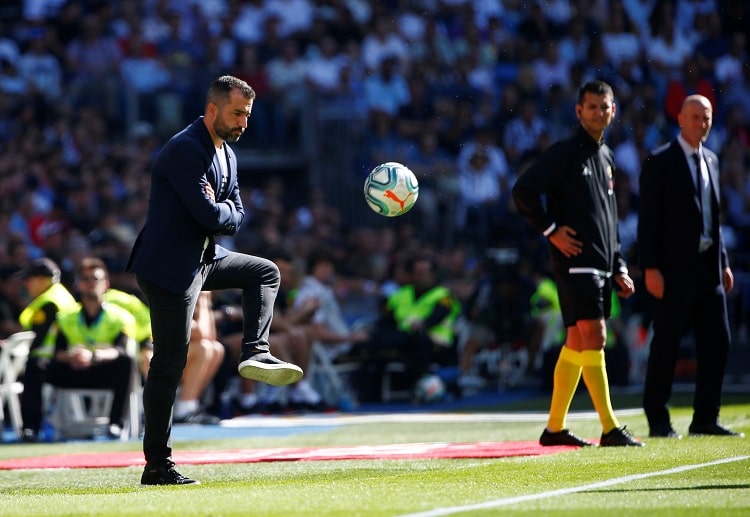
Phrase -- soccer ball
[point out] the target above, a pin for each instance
(391, 189)
(429, 388)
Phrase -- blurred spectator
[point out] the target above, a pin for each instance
(478, 199)
(713, 44)
(48, 296)
(384, 43)
(143, 70)
(328, 324)
(523, 131)
(295, 16)
(417, 116)
(286, 80)
(324, 67)
(248, 24)
(416, 327)
(549, 69)
(91, 346)
(40, 69)
(687, 83)
(639, 12)
(92, 63)
(386, 89)
(667, 48)
(573, 47)
(728, 66)
(619, 38)
(205, 355)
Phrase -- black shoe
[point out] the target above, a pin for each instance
(619, 437)
(165, 475)
(264, 367)
(564, 437)
(197, 417)
(713, 429)
(29, 436)
(664, 431)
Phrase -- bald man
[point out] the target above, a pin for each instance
(686, 270)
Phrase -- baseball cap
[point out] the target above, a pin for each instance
(41, 267)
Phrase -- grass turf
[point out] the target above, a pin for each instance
(400, 487)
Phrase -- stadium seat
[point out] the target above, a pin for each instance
(15, 350)
(84, 413)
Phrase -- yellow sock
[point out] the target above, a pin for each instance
(595, 378)
(566, 377)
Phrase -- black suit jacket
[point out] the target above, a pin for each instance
(670, 220)
(170, 248)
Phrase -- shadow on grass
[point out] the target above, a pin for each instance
(670, 489)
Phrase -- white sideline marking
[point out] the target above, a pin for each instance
(256, 421)
(570, 490)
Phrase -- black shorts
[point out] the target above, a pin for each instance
(583, 296)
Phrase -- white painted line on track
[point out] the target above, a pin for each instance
(570, 490)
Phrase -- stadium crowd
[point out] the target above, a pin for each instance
(465, 92)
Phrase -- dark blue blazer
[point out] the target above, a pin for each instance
(170, 248)
(670, 220)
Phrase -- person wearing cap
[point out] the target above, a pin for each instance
(48, 297)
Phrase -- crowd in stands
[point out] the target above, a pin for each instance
(466, 92)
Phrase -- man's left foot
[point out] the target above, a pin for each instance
(264, 367)
(619, 437)
(713, 429)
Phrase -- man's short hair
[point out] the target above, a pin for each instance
(220, 89)
(88, 264)
(596, 87)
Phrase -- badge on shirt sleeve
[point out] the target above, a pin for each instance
(39, 318)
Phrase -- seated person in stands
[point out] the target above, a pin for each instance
(91, 346)
(416, 327)
(48, 297)
(292, 337)
(205, 355)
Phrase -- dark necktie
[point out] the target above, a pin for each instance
(698, 177)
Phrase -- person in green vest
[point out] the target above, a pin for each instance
(48, 297)
(92, 346)
(142, 332)
(417, 325)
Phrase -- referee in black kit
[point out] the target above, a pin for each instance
(579, 218)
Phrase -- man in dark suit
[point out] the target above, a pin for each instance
(686, 270)
(194, 198)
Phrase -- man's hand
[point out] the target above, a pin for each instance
(210, 192)
(654, 282)
(727, 279)
(627, 286)
(79, 357)
(563, 239)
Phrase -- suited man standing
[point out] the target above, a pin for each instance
(194, 198)
(686, 270)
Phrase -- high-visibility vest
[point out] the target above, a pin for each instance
(102, 333)
(134, 306)
(55, 294)
(407, 309)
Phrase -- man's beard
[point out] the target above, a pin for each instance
(226, 133)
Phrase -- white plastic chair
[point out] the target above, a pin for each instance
(15, 351)
(81, 413)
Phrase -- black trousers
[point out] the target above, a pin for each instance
(700, 305)
(171, 314)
